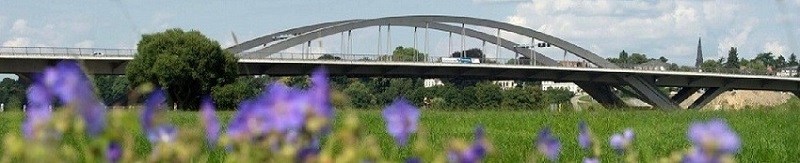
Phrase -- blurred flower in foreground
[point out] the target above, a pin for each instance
(209, 120)
(401, 120)
(72, 87)
(713, 141)
(591, 160)
(165, 133)
(622, 142)
(584, 138)
(474, 153)
(114, 152)
(38, 113)
(548, 145)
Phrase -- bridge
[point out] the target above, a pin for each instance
(265, 55)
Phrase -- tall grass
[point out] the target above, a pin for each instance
(767, 135)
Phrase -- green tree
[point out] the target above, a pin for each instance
(329, 57)
(792, 60)
(186, 64)
(710, 66)
(780, 62)
(112, 90)
(408, 54)
(488, 95)
(12, 93)
(360, 95)
(766, 58)
(663, 59)
(733, 59)
(558, 95)
(638, 58)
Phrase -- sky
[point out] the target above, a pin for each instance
(655, 28)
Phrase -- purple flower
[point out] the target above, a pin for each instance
(320, 93)
(284, 108)
(413, 160)
(210, 120)
(698, 156)
(714, 136)
(474, 153)
(621, 142)
(548, 145)
(72, 87)
(401, 120)
(591, 160)
(38, 113)
(164, 133)
(153, 102)
(114, 152)
(584, 138)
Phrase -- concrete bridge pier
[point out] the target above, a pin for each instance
(25, 78)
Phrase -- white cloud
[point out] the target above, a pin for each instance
(735, 38)
(656, 28)
(20, 26)
(775, 47)
(17, 42)
(85, 44)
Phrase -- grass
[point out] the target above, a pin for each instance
(767, 135)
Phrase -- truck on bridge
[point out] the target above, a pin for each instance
(461, 60)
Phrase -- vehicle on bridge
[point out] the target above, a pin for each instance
(461, 60)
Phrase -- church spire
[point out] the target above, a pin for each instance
(699, 53)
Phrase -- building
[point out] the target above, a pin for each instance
(572, 87)
(655, 65)
(787, 71)
(432, 82)
(505, 84)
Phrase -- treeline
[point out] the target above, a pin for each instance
(765, 63)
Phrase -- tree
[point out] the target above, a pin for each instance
(558, 95)
(766, 58)
(638, 58)
(663, 59)
(408, 54)
(186, 64)
(112, 89)
(488, 95)
(792, 60)
(360, 95)
(710, 65)
(780, 62)
(12, 93)
(329, 57)
(733, 59)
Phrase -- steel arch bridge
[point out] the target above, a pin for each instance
(643, 88)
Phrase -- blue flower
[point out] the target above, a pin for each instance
(38, 113)
(548, 145)
(284, 108)
(210, 120)
(153, 102)
(164, 133)
(401, 120)
(114, 152)
(714, 136)
(320, 93)
(72, 87)
(413, 160)
(584, 137)
(621, 142)
(474, 153)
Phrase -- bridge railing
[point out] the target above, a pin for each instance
(365, 57)
(65, 51)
